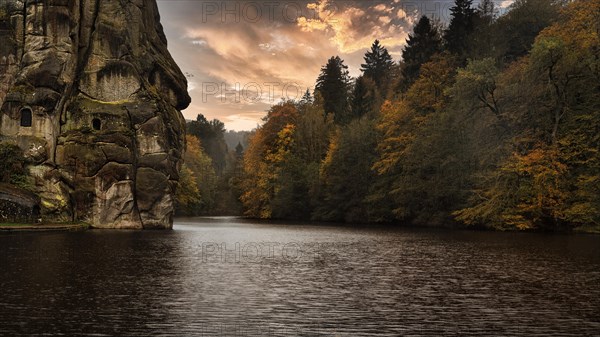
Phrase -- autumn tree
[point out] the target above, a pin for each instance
(290, 198)
(264, 156)
(497, 132)
(552, 104)
(187, 198)
(211, 134)
(417, 155)
(197, 185)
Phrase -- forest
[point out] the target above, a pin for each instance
(487, 121)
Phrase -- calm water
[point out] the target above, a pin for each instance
(229, 277)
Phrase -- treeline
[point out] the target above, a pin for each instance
(491, 121)
(209, 178)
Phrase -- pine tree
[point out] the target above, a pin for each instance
(333, 85)
(486, 9)
(378, 66)
(306, 98)
(482, 39)
(421, 45)
(461, 26)
(239, 150)
(365, 97)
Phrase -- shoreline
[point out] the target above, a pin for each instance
(21, 227)
(16, 227)
(583, 230)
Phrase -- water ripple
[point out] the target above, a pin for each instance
(228, 277)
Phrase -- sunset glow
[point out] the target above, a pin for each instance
(274, 49)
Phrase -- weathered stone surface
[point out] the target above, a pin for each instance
(154, 197)
(53, 192)
(104, 98)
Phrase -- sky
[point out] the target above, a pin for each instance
(242, 56)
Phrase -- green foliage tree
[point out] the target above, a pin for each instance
(12, 165)
(476, 88)
(291, 198)
(346, 173)
(516, 30)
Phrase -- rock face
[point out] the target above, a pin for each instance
(89, 91)
(17, 205)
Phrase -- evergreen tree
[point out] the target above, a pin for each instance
(378, 66)
(486, 9)
(333, 85)
(482, 40)
(421, 45)
(365, 97)
(508, 140)
(461, 26)
(306, 98)
(239, 150)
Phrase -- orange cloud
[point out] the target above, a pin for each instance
(267, 52)
(351, 29)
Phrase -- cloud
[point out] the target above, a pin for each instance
(270, 44)
(505, 4)
(353, 28)
(383, 8)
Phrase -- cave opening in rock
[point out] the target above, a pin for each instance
(26, 117)
(96, 124)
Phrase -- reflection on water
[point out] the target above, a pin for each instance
(230, 277)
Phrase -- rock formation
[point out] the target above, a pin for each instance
(89, 91)
(17, 205)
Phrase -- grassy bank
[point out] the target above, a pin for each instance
(23, 227)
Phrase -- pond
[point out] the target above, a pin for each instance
(234, 277)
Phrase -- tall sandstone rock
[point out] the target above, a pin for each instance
(89, 91)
